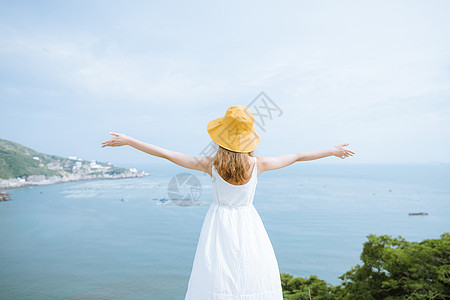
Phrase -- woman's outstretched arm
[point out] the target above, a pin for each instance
(272, 163)
(181, 159)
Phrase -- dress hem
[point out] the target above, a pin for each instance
(277, 291)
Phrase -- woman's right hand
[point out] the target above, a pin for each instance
(120, 139)
(342, 152)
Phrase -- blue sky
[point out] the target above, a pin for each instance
(374, 74)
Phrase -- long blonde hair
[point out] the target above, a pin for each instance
(232, 166)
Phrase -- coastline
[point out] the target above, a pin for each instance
(45, 180)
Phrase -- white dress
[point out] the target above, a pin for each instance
(234, 259)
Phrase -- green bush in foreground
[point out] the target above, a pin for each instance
(392, 269)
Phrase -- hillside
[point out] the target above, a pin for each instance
(17, 160)
(20, 162)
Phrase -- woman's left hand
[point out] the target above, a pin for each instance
(120, 139)
(342, 152)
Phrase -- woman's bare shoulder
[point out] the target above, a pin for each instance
(207, 162)
(201, 163)
(267, 163)
(259, 164)
(263, 163)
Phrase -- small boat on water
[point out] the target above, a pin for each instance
(419, 214)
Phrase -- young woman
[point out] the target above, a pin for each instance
(234, 258)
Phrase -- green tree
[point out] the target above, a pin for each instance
(305, 288)
(397, 269)
(392, 268)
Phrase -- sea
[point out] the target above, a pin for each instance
(130, 239)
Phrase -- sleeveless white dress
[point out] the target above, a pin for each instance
(234, 259)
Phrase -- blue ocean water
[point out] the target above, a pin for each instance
(79, 240)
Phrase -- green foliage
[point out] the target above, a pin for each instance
(304, 288)
(392, 268)
(17, 161)
(117, 171)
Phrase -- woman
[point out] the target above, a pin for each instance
(234, 258)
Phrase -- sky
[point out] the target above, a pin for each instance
(374, 74)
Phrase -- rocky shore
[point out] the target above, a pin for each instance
(4, 196)
(43, 179)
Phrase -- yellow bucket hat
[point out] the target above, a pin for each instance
(235, 131)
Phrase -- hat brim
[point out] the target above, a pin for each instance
(234, 142)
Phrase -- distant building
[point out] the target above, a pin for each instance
(36, 158)
(73, 157)
(54, 165)
(77, 166)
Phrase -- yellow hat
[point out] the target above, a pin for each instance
(235, 131)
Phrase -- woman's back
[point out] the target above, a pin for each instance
(228, 194)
